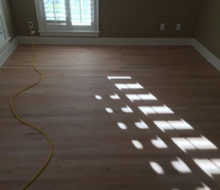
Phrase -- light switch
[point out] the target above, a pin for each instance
(163, 26)
(179, 27)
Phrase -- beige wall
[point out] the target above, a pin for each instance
(141, 18)
(208, 29)
(126, 18)
(22, 11)
(7, 14)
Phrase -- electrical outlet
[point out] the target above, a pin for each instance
(163, 26)
(178, 27)
(30, 24)
(33, 32)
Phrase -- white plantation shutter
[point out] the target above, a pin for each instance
(71, 16)
(82, 12)
(55, 10)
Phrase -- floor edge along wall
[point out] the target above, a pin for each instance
(26, 40)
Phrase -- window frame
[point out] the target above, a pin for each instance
(5, 32)
(54, 29)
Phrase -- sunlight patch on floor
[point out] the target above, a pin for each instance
(193, 143)
(129, 86)
(136, 97)
(118, 77)
(137, 144)
(147, 110)
(98, 97)
(109, 110)
(157, 168)
(115, 97)
(172, 125)
(159, 143)
(122, 126)
(211, 167)
(180, 166)
(127, 109)
(141, 125)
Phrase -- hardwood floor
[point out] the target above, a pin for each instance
(91, 151)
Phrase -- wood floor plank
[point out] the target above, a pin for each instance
(91, 151)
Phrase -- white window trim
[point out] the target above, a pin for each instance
(45, 31)
(5, 28)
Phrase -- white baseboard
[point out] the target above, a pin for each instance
(125, 42)
(209, 56)
(8, 49)
(106, 41)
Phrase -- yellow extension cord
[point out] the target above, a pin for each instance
(42, 132)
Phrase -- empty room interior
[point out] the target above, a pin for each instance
(109, 95)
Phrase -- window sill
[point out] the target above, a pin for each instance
(68, 33)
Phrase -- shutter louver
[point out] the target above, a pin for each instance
(72, 16)
(82, 12)
(55, 10)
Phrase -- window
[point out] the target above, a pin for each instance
(4, 36)
(67, 17)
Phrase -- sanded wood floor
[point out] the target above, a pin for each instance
(91, 151)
